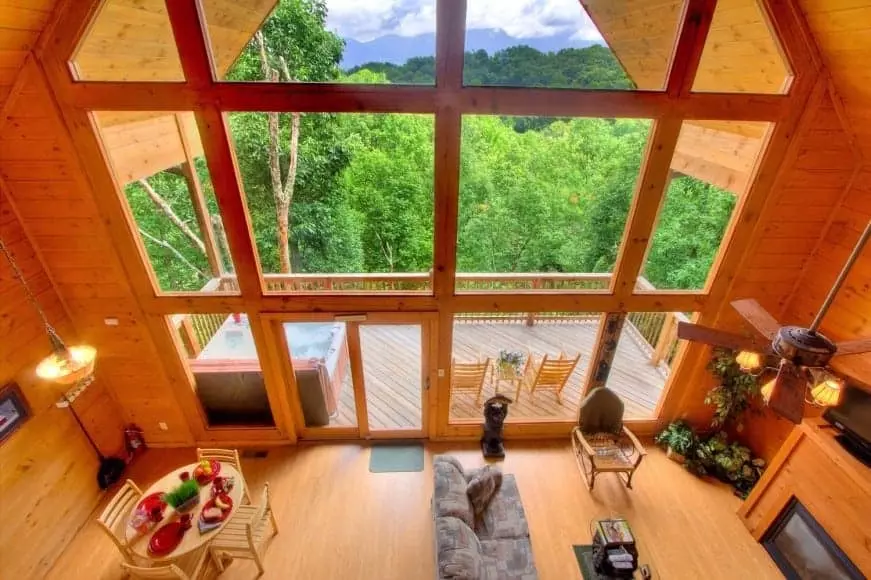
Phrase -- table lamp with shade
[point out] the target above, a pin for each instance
(71, 367)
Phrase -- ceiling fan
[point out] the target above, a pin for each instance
(802, 351)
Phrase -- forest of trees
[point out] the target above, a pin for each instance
(334, 193)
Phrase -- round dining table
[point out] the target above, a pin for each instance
(192, 539)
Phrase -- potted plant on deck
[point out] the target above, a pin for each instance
(509, 362)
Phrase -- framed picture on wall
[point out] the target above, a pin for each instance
(14, 410)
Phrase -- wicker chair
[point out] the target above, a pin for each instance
(601, 443)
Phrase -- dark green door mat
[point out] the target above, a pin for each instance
(584, 554)
(393, 458)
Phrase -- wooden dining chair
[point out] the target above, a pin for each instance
(246, 534)
(230, 456)
(550, 374)
(469, 378)
(189, 567)
(116, 515)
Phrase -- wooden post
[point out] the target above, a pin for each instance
(189, 337)
(606, 348)
(198, 200)
(660, 351)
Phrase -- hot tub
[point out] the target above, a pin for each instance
(319, 351)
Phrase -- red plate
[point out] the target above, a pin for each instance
(166, 539)
(224, 511)
(203, 479)
(151, 501)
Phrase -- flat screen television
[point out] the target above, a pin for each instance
(852, 417)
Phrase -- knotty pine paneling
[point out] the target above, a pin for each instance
(58, 211)
(21, 22)
(850, 314)
(48, 484)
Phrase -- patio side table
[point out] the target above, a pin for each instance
(506, 375)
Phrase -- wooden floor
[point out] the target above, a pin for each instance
(391, 361)
(339, 521)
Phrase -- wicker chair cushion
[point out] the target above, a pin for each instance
(601, 412)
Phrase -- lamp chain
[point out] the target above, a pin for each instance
(56, 343)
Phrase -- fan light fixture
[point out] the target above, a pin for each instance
(827, 391)
(748, 360)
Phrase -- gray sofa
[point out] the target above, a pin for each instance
(492, 546)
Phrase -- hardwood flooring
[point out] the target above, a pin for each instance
(392, 371)
(339, 521)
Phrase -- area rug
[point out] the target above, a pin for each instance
(396, 458)
(584, 555)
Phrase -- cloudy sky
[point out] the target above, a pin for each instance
(367, 19)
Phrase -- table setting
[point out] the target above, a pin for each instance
(182, 511)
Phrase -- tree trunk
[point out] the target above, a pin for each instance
(282, 210)
(163, 206)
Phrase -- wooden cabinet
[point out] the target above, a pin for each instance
(834, 486)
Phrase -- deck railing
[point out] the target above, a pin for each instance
(654, 331)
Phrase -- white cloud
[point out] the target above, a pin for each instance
(365, 20)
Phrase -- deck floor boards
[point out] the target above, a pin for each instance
(392, 371)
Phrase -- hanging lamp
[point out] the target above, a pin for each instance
(67, 366)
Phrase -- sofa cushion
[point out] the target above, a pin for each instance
(450, 459)
(449, 496)
(483, 487)
(504, 516)
(459, 556)
(508, 559)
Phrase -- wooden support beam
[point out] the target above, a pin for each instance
(649, 194)
(690, 45)
(198, 200)
(602, 357)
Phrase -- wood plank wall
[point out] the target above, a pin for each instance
(56, 205)
(47, 469)
(21, 22)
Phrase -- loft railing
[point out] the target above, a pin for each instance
(655, 332)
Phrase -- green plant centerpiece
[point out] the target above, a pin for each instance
(184, 497)
(679, 440)
(736, 390)
(510, 361)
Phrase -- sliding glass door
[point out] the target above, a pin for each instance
(360, 376)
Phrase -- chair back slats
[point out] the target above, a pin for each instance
(469, 375)
(230, 456)
(553, 373)
(172, 572)
(114, 516)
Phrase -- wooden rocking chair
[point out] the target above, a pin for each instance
(602, 444)
(469, 378)
(551, 374)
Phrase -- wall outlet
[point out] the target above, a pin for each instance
(110, 321)
(163, 426)
(441, 373)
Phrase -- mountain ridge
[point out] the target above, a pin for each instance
(397, 49)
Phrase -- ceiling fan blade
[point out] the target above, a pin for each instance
(712, 336)
(761, 320)
(853, 346)
(787, 396)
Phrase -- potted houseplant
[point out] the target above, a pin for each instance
(732, 462)
(184, 497)
(678, 439)
(736, 390)
(509, 362)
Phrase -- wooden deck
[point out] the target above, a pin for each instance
(391, 359)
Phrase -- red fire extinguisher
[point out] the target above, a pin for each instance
(134, 440)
